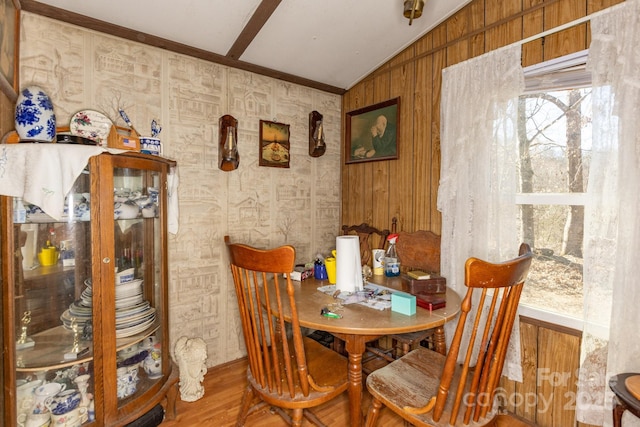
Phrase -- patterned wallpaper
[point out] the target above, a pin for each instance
(261, 206)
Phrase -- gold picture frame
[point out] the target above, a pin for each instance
(9, 47)
(275, 147)
(372, 132)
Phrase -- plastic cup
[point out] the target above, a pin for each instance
(330, 263)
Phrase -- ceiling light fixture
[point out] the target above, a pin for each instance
(413, 9)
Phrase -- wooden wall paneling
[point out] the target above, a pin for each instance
(401, 173)
(353, 206)
(570, 40)
(477, 22)
(439, 36)
(422, 159)
(557, 377)
(527, 390)
(438, 64)
(521, 398)
(458, 26)
(533, 23)
(510, 31)
(423, 143)
(379, 204)
(372, 189)
(598, 5)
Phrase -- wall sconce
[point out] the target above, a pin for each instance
(317, 146)
(228, 156)
(413, 9)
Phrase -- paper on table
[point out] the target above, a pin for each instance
(374, 296)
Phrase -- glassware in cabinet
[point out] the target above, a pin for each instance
(85, 296)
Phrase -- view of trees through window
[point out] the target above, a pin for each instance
(554, 135)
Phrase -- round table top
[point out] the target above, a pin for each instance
(361, 320)
(617, 383)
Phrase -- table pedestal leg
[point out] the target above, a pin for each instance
(355, 346)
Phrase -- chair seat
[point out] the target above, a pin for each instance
(412, 381)
(328, 369)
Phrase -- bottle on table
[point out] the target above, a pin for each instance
(391, 260)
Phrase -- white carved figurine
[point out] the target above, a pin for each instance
(191, 354)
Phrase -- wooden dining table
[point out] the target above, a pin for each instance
(359, 324)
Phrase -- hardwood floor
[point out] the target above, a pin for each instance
(224, 385)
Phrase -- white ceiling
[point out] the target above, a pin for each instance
(334, 42)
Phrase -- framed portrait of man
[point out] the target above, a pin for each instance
(372, 132)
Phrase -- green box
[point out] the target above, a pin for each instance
(403, 303)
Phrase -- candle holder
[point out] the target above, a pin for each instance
(228, 156)
(317, 146)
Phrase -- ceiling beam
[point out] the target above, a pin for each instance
(258, 19)
(63, 15)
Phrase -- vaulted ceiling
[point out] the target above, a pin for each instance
(327, 44)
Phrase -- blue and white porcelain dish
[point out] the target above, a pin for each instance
(35, 120)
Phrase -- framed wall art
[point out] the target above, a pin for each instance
(9, 39)
(372, 132)
(274, 144)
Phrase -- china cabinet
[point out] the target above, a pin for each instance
(84, 296)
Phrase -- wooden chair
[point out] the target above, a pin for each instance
(367, 236)
(417, 386)
(292, 373)
(419, 250)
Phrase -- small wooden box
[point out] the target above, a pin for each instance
(123, 139)
(434, 285)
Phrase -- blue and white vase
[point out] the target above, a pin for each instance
(35, 120)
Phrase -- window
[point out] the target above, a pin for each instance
(554, 138)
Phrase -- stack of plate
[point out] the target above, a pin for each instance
(133, 313)
(80, 310)
(134, 319)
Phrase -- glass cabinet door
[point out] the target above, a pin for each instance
(138, 282)
(54, 310)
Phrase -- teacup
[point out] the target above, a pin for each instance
(125, 276)
(25, 399)
(73, 418)
(153, 366)
(42, 393)
(147, 343)
(34, 420)
(64, 401)
(127, 381)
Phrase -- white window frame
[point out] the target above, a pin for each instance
(558, 74)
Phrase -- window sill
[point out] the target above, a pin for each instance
(550, 317)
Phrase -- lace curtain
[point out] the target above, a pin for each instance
(477, 181)
(610, 343)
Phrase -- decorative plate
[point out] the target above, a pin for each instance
(92, 125)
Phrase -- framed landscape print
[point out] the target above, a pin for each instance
(274, 144)
(372, 132)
